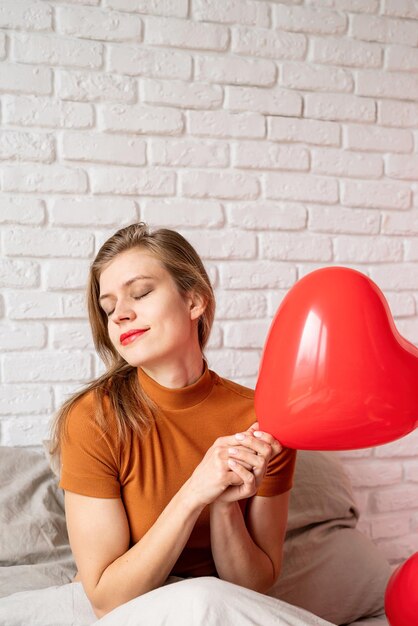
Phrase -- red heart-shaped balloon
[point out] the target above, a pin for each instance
(335, 373)
(401, 596)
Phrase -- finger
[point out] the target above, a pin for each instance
(254, 443)
(245, 474)
(262, 436)
(251, 459)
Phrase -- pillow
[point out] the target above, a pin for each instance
(34, 546)
(329, 567)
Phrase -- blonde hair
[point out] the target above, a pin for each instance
(133, 409)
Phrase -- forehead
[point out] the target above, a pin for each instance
(128, 264)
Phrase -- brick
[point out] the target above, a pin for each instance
(246, 334)
(132, 181)
(351, 6)
(234, 12)
(135, 60)
(226, 124)
(399, 550)
(315, 78)
(274, 300)
(101, 148)
(63, 274)
(269, 155)
(25, 430)
(383, 29)
(399, 498)
(94, 86)
(375, 195)
(140, 119)
(229, 184)
(180, 212)
(340, 107)
(273, 101)
(402, 58)
(47, 242)
(46, 366)
(404, 447)
(225, 244)
(3, 41)
(372, 473)
(340, 220)
(411, 471)
(402, 167)
(46, 112)
(234, 363)
(235, 70)
(181, 94)
(401, 8)
(408, 328)
(30, 304)
(240, 305)
(44, 179)
(347, 455)
(74, 336)
(264, 42)
(365, 249)
(21, 210)
(96, 23)
(308, 20)
(256, 275)
(396, 276)
(401, 304)
(89, 211)
(21, 146)
(25, 15)
(295, 247)
(267, 216)
(345, 164)
(386, 84)
(346, 52)
(389, 526)
(164, 31)
(305, 268)
(378, 139)
(22, 336)
(14, 273)
(17, 399)
(45, 49)
(176, 8)
(411, 249)
(299, 187)
(398, 114)
(188, 153)
(74, 306)
(15, 78)
(306, 131)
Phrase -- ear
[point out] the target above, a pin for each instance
(197, 305)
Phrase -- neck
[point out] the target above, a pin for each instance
(176, 374)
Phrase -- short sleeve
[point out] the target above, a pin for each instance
(279, 474)
(88, 456)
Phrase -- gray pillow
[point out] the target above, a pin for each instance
(34, 547)
(329, 567)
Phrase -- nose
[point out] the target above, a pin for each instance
(122, 312)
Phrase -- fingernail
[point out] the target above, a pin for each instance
(257, 433)
(239, 436)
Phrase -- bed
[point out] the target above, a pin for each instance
(332, 573)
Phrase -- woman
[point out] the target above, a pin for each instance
(164, 471)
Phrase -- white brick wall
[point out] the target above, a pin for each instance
(279, 137)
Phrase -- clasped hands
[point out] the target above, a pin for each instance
(249, 455)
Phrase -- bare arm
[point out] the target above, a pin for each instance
(111, 574)
(249, 553)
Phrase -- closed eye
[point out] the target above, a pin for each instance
(135, 298)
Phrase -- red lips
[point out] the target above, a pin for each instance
(135, 331)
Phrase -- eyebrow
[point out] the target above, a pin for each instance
(128, 282)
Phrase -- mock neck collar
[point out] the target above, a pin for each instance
(181, 397)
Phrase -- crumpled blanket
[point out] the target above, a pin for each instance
(202, 601)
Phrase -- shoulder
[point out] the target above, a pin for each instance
(233, 388)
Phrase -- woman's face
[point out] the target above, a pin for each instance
(152, 304)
